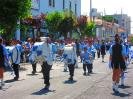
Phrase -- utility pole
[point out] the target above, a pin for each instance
(91, 10)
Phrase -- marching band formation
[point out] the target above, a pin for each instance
(44, 51)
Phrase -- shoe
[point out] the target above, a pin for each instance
(71, 78)
(84, 73)
(65, 70)
(16, 78)
(91, 72)
(46, 87)
(33, 72)
(122, 85)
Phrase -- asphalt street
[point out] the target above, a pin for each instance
(94, 86)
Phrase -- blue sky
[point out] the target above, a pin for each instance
(110, 6)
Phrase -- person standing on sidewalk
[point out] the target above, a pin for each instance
(3, 56)
(117, 61)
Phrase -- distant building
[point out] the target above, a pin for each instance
(124, 21)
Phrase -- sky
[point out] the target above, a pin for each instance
(110, 7)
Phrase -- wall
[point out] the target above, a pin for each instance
(45, 8)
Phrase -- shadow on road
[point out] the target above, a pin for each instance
(43, 91)
(9, 81)
(70, 81)
(124, 87)
(122, 94)
(32, 74)
(12, 80)
(22, 69)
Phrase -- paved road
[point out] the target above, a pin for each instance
(95, 86)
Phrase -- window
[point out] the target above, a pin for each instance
(52, 3)
(70, 6)
(63, 4)
(75, 9)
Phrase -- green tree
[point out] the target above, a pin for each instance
(53, 21)
(132, 40)
(89, 29)
(109, 18)
(12, 11)
(68, 23)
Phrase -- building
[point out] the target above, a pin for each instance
(47, 6)
(124, 21)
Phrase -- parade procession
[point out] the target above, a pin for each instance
(66, 49)
(46, 53)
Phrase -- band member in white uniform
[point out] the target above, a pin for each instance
(70, 59)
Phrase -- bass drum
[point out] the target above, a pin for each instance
(12, 53)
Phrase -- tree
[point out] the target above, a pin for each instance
(132, 40)
(109, 18)
(89, 29)
(82, 22)
(11, 12)
(53, 21)
(68, 23)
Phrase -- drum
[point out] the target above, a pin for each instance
(40, 52)
(13, 53)
(70, 55)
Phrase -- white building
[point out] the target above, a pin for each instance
(46, 6)
(79, 7)
(124, 21)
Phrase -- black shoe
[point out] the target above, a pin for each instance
(0, 87)
(33, 72)
(46, 87)
(16, 78)
(91, 72)
(84, 73)
(122, 85)
(71, 78)
(65, 70)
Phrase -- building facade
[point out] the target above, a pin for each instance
(47, 6)
(124, 21)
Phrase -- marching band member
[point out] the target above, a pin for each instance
(47, 65)
(91, 50)
(103, 51)
(16, 62)
(87, 61)
(117, 61)
(98, 46)
(41, 53)
(70, 59)
(28, 46)
(3, 58)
